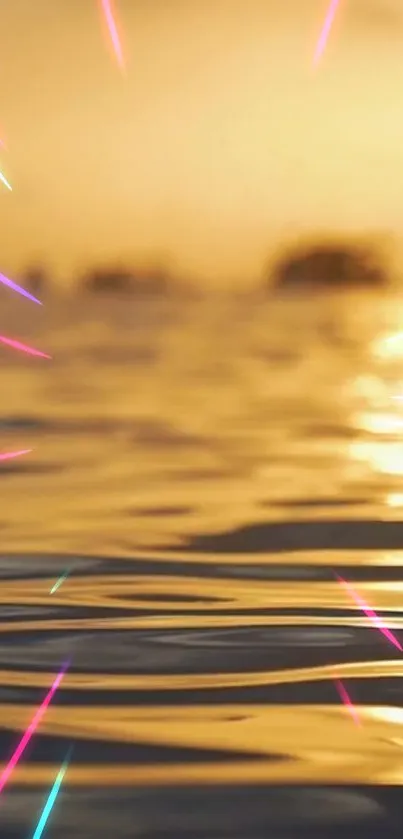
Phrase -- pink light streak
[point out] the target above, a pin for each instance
(11, 284)
(30, 730)
(347, 701)
(324, 35)
(10, 455)
(110, 20)
(17, 345)
(373, 617)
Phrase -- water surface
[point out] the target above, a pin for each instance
(200, 473)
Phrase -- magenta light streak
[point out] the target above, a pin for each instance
(30, 730)
(16, 345)
(324, 35)
(347, 701)
(11, 284)
(113, 31)
(10, 455)
(373, 617)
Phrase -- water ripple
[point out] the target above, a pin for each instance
(205, 627)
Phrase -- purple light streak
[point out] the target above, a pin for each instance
(11, 284)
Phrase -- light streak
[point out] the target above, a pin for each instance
(325, 32)
(59, 582)
(10, 455)
(373, 617)
(51, 799)
(347, 701)
(11, 284)
(110, 20)
(17, 345)
(4, 180)
(30, 730)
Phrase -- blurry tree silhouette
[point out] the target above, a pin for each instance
(124, 281)
(327, 265)
(35, 280)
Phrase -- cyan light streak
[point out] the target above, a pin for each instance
(51, 799)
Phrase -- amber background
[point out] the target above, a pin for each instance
(218, 143)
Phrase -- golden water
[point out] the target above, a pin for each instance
(200, 472)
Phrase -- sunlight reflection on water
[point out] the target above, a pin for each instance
(199, 472)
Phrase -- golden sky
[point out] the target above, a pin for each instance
(219, 140)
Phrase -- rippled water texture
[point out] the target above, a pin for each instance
(200, 473)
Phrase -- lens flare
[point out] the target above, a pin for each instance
(373, 617)
(30, 730)
(11, 284)
(110, 20)
(50, 801)
(17, 345)
(325, 32)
